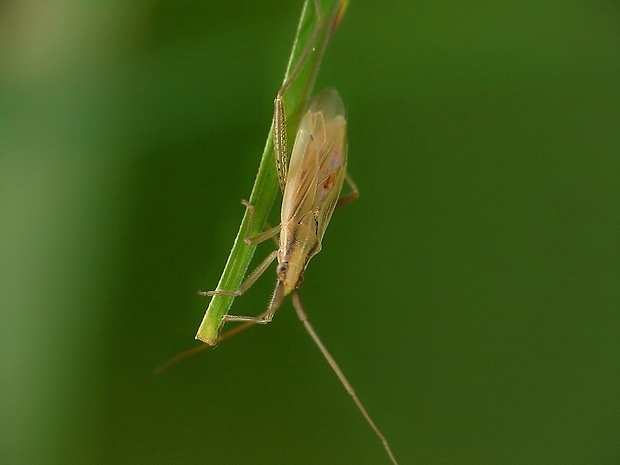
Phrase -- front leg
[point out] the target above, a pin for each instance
(245, 285)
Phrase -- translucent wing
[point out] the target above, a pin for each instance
(318, 164)
(316, 174)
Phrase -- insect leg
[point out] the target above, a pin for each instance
(279, 116)
(261, 237)
(245, 285)
(257, 273)
(248, 321)
(343, 380)
(264, 317)
(351, 196)
(267, 315)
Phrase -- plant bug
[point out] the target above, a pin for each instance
(311, 186)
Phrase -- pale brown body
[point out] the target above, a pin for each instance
(311, 185)
(315, 177)
(311, 191)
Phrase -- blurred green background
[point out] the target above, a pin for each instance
(471, 294)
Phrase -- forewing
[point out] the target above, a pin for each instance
(332, 169)
(318, 163)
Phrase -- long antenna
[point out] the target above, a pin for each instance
(343, 379)
(303, 317)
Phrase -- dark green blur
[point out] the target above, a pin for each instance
(471, 295)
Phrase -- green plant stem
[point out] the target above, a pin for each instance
(266, 184)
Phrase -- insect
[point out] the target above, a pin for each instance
(311, 187)
(311, 192)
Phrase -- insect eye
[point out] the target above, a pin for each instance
(282, 267)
